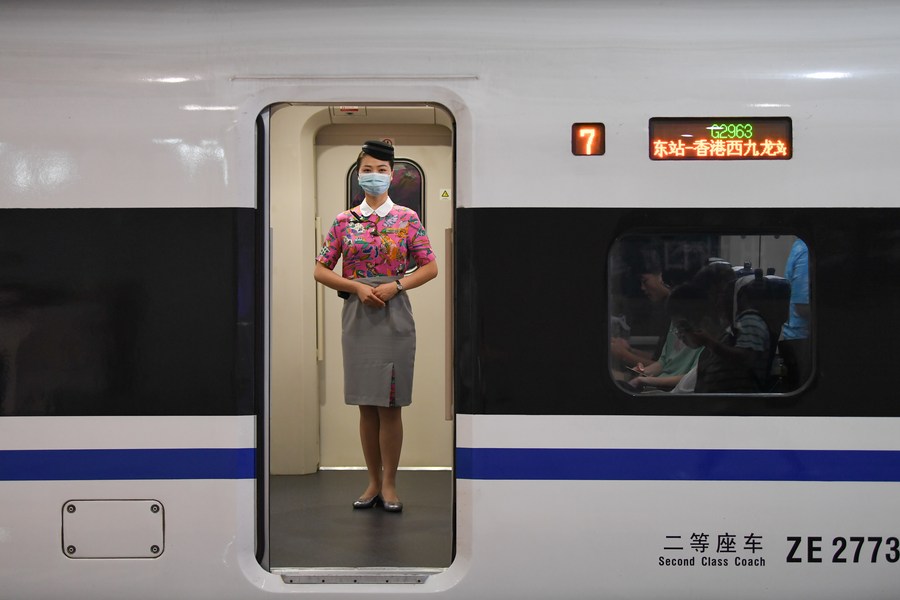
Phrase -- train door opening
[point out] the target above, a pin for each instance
(315, 467)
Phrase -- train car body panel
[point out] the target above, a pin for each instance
(200, 89)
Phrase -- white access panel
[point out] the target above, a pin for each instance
(113, 528)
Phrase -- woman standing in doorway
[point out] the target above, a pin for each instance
(377, 241)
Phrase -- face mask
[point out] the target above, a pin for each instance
(375, 184)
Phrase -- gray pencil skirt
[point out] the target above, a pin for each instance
(379, 346)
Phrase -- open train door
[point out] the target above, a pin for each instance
(314, 465)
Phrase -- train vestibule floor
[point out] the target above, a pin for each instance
(312, 523)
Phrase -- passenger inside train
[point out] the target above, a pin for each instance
(761, 309)
(730, 357)
(671, 358)
(795, 345)
(723, 324)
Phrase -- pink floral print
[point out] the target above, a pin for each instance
(373, 246)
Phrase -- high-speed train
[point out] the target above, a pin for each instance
(167, 171)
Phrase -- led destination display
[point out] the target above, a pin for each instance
(721, 138)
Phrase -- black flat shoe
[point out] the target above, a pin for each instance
(370, 503)
(392, 506)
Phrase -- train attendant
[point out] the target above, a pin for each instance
(377, 241)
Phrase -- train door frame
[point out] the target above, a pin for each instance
(263, 344)
(265, 281)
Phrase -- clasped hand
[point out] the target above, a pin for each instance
(377, 296)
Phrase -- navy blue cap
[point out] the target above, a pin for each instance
(378, 149)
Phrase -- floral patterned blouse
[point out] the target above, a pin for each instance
(372, 246)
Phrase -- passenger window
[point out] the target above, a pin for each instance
(407, 189)
(710, 314)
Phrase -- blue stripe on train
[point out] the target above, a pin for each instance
(165, 463)
(677, 465)
(478, 463)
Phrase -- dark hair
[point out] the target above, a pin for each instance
(650, 262)
(753, 295)
(363, 153)
(689, 301)
(715, 277)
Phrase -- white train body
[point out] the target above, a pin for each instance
(155, 106)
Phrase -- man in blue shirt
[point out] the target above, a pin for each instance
(795, 346)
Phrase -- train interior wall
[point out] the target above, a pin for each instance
(312, 149)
